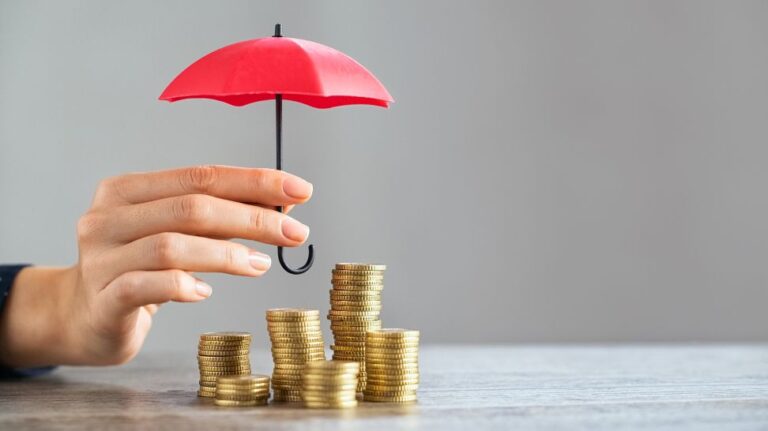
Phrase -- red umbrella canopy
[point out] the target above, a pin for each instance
(258, 69)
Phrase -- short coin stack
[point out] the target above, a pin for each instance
(296, 340)
(222, 354)
(392, 363)
(330, 384)
(242, 391)
(355, 309)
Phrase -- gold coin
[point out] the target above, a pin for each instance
(234, 403)
(347, 349)
(323, 387)
(298, 349)
(348, 282)
(293, 319)
(214, 374)
(378, 388)
(361, 266)
(238, 396)
(376, 380)
(329, 398)
(392, 346)
(402, 399)
(223, 353)
(243, 357)
(286, 367)
(245, 380)
(223, 365)
(296, 337)
(397, 333)
(291, 312)
(392, 369)
(392, 359)
(225, 336)
(367, 309)
(349, 341)
(355, 295)
(222, 345)
(370, 361)
(338, 318)
(332, 366)
(327, 405)
(344, 283)
(205, 394)
(329, 378)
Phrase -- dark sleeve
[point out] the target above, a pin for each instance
(8, 274)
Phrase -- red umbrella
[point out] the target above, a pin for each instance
(279, 68)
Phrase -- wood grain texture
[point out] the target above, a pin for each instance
(463, 387)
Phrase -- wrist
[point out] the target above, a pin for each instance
(34, 330)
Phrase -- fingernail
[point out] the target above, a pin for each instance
(294, 230)
(203, 289)
(259, 261)
(297, 188)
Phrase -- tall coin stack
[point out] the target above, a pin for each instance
(296, 340)
(392, 363)
(330, 384)
(242, 391)
(222, 354)
(355, 309)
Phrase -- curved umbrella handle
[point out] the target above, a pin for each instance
(300, 270)
(279, 153)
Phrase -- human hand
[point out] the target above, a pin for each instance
(138, 243)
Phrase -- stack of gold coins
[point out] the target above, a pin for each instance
(392, 362)
(355, 309)
(330, 384)
(242, 391)
(296, 339)
(222, 354)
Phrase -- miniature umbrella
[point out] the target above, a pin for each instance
(279, 68)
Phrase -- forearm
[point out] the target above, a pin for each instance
(34, 328)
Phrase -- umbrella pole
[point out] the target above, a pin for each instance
(279, 163)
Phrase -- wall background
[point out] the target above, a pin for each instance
(551, 171)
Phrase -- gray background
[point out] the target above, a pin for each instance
(551, 171)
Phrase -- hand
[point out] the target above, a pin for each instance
(138, 243)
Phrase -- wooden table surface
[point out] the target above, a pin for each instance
(463, 388)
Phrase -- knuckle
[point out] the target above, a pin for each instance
(166, 248)
(176, 282)
(200, 179)
(126, 289)
(232, 256)
(87, 224)
(195, 208)
(258, 219)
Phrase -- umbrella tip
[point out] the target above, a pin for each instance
(278, 31)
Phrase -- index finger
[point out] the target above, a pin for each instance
(248, 185)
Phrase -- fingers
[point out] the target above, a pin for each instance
(131, 290)
(170, 250)
(268, 187)
(196, 214)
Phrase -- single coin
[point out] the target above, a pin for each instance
(403, 399)
(377, 388)
(356, 309)
(348, 282)
(396, 332)
(290, 312)
(245, 380)
(233, 403)
(243, 357)
(355, 295)
(224, 335)
(361, 266)
(223, 353)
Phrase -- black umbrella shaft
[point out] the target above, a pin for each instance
(279, 130)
